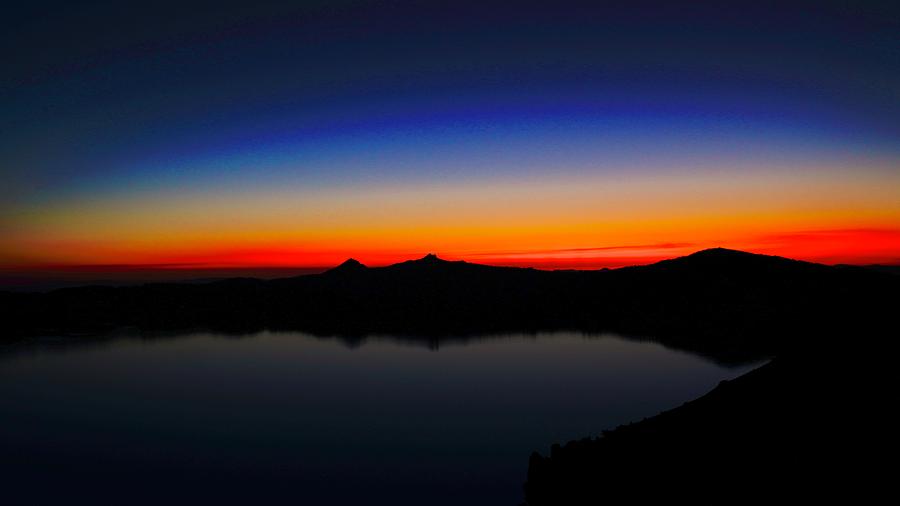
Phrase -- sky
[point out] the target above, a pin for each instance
(208, 136)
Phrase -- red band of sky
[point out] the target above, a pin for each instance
(860, 247)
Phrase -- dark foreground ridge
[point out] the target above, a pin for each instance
(814, 407)
(799, 429)
(793, 430)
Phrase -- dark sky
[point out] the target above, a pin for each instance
(101, 99)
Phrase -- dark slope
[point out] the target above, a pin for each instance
(793, 431)
(802, 428)
(739, 440)
(725, 304)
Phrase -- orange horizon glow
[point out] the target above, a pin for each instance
(824, 215)
(858, 247)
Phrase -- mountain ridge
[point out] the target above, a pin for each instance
(727, 304)
(717, 255)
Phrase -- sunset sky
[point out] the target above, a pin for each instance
(217, 137)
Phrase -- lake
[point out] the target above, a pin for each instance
(293, 418)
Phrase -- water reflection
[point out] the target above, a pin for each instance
(69, 343)
(300, 418)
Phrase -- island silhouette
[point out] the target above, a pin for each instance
(819, 329)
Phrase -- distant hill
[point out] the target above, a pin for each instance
(890, 269)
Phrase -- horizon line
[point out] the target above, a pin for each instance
(544, 263)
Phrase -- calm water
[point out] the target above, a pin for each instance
(289, 418)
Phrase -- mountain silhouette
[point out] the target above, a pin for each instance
(349, 266)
